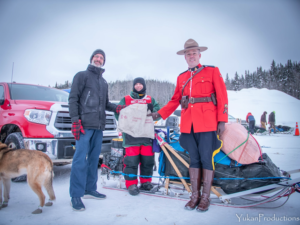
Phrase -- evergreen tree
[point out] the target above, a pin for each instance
(242, 82)
(227, 83)
(273, 75)
(236, 82)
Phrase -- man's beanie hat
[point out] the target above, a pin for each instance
(98, 51)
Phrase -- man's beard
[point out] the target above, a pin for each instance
(93, 63)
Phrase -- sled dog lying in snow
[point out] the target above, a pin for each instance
(38, 167)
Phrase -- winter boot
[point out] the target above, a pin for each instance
(147, 186)
(195, 178)
(133, 190)
(208, 176)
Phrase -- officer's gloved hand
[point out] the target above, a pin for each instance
(221, 128)
(150, 107)
(154, 115)
(76, 129)
(119, 108)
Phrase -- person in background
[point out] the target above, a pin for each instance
(272, 122)
(250, 119)
(138, 151)
(263, 120)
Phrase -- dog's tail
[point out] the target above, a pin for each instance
(49, 184)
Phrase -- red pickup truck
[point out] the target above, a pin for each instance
(37, 118)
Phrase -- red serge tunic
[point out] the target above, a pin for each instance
(203, 116)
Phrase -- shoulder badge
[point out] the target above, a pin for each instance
(182, 73)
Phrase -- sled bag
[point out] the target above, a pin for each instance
(133, 120)
(233, 136)
(264, 168)
(170, 171)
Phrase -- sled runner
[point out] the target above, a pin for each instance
(234, 185)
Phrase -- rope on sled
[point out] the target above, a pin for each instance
(187, 178)
(233, 149)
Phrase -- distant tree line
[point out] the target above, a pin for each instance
(285, 78)
(66, 85)
(161, 91)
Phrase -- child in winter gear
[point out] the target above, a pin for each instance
(138, 151)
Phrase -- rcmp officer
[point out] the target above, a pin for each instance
(204, 103)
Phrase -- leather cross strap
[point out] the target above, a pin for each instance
(199, 100)
(198, 71)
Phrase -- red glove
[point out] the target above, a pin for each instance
(76, 129)
(119, 108)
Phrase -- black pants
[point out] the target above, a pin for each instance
(251, 126)
(201, 147)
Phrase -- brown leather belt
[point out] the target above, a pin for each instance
(199, 100)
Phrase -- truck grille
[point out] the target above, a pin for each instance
(63, 122)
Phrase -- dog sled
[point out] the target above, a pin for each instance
(234, 185)
(280, 129)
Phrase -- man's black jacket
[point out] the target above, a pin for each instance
(88, 98)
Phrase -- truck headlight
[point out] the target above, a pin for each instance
(38, 116)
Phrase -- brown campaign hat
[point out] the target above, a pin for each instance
(191, 44)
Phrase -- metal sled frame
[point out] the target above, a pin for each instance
(251, 198)
(261, 195)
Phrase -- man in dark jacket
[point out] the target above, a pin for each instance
(263, 120)
(138, 150)
(250, 119)
(88, 101)
(272, 122)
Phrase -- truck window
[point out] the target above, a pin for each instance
(177, 112)
(38, 93)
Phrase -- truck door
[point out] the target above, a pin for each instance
(2, 99)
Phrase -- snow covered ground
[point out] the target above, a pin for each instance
(121, 208)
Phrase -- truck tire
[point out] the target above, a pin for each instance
(15, 141)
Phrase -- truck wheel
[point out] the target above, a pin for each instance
(15, 141)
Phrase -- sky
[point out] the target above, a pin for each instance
(50, 41)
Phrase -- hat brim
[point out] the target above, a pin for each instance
(202, 49)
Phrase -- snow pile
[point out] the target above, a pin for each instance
(256, 101)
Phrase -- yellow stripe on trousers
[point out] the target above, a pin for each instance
(216, 152)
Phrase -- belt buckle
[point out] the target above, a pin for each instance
(192, 100)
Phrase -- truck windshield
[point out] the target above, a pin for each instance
(38, 93)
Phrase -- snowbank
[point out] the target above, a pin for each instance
(256, 101)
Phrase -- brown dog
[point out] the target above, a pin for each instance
(38, 167)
